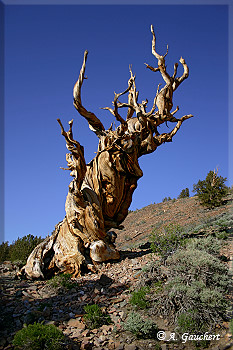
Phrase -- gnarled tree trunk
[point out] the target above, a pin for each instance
(101, 192)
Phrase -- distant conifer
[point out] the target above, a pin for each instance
(212, 190)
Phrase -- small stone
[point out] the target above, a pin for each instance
(119, 347)
(164, 347)
(121, 314)
(130, 347)
(105, 280)
(112, 310)
(72, 290)
(76, 334)
(61, 326)
(26, 294)
(76, 324)
(226, 346)
(46, 311)
(67, 331)
(102, 338)
(86, 333)
(86, 345)
(111, 346)
(106, 329)
(52, 322)
(94, 331)
(226, 325)
(18, 293)
(114, 317)
(8, 347)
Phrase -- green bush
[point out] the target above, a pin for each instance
(22, 247)
(138, 298)
(95, 317)
(167, 199)
(39, 337)
(218, 226)
(63, 280)
(167, 239)
(184, 193)
(209, 244)
(142, 328)
(198, 282)
(212, 190)
(188, 322)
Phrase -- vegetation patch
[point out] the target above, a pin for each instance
(95, 317)
(184, 193)
(139, 326)
(197, 283)
(138, 298)
(63, 280)
(231, 326)
(39, 337)
(166, 240)
(212, 190)
(19, 250)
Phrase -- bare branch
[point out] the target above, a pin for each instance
(72, 145)
(133, 90)
(131, 97)
(75, 161)
(176, 110)
(167, 137)
(215, 174)
(160, 58)
(94, 123)
(152, 68)
(154, 103)
(116, 104)
(161, 61)
(175, 70)
(185, 75)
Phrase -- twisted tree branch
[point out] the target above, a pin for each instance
(94, 123)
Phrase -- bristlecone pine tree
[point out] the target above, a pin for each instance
(184, 193)
(212, 190)
(101, 192)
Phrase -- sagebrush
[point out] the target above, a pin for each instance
(166, 240)
(139, 326)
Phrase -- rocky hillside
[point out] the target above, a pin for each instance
(111, 285)
(186, 212)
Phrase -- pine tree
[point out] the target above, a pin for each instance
(22, 247)
(212, 190)
(184, 193)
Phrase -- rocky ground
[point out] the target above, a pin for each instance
(24, 302)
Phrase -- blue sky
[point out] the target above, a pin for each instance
(44, 48)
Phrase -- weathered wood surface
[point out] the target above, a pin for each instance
(101, 192)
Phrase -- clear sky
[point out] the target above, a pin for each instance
(44, 48)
